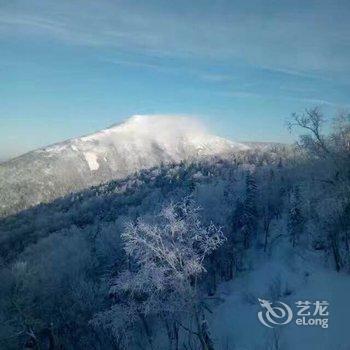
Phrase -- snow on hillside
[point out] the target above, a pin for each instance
(290, 276)
(141, 142)
(142, 136)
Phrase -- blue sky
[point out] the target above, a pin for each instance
(71, 67)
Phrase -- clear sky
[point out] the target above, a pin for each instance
(71, 67)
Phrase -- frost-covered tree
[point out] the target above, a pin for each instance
(250, 215)
(296, 219)
(166, 260)
(314, 141)
(270, 203)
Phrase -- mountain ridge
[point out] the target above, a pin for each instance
(140, 142)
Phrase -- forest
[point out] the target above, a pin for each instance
(142, 262)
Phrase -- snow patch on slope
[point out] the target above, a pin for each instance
(91, 159)
(284, 275)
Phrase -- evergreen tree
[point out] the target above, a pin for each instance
(296, 219)
(250, 210)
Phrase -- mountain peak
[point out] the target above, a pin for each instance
(140, 142)
(164, 126)
(138, 132)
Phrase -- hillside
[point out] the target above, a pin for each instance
(141, 142)
(61, 260)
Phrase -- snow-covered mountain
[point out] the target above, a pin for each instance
(138, 143)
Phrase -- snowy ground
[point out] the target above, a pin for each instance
(288, 278)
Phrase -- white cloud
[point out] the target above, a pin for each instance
(284, 36)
